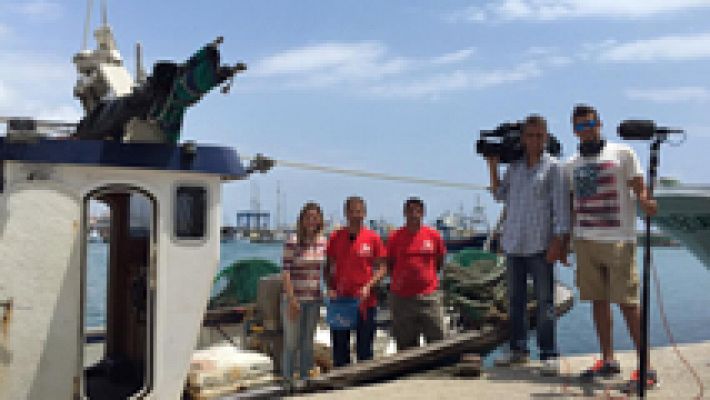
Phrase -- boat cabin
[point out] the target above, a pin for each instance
(163, 251)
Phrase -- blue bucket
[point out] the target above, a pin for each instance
(342, 313)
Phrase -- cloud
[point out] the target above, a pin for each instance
(453, 57)
(369, 68)
(436, 85)
(666, 48)
(6, 94)
(332, 62)
(5, 31)
(549, 10)
(548, 56)
(29, 68)
(36, 9)
(35, 86)
(669, 95)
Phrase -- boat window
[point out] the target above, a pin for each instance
(190, 212)
(140, 216)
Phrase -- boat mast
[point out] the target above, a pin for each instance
(87, 23)
(278, 205)
(101, 71)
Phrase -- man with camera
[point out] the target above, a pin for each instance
(603, 177)
(535, 227)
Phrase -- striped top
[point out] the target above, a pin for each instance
(304, 264)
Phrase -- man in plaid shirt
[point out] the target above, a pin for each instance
(536, 224)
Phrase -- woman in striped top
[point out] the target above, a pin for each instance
(303, 259)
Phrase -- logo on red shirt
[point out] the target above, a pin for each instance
(365, 250)
(427, 245)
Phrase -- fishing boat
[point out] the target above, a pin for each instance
(460, 230)
(164, 202)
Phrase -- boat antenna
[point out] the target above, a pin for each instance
(140, 72)
(104, 13)
(85, 44)
(278, 204)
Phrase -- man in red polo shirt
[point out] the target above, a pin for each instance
(415, 256)
(356, 262)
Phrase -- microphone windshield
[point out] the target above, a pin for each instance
(637, 129)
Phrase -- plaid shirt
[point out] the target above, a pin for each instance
(536, 205)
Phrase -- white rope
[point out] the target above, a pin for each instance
(376, 175)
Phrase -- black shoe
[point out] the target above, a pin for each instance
(632, 385)
(602, 369)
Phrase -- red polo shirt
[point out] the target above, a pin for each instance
(414, 257)
(353, 261)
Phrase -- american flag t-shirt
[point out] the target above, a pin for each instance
(597, 203)
(604, 205)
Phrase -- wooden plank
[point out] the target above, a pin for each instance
(405, 361)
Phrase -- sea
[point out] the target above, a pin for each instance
(684, 287)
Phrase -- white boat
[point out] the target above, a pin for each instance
(164, 238)
(684, 214)
(460, 230)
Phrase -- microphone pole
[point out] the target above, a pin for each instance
(646, 130)
(645, 298)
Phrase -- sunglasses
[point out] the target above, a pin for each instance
(578, 127)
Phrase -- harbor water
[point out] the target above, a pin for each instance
(684, 282)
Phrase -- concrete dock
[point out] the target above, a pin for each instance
(526, 383)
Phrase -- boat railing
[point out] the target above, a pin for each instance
(26, 129)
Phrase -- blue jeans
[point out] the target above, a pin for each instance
(365, 336)
(543, 280)
(298, 335)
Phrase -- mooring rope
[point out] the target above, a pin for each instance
(373, 175)
(671, 338)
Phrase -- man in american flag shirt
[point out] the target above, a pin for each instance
(606, 181)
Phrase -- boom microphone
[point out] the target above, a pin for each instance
(642, 130)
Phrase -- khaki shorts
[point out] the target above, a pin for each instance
(607, 271)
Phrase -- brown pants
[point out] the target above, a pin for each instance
(413, 316)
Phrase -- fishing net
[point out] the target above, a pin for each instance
(242, 280)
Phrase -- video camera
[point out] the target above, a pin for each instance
(504, 142)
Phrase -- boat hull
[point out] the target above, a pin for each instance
(684, 214)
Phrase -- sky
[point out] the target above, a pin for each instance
(395, 87)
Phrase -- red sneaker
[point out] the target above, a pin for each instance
(601, 368)
(632, 385)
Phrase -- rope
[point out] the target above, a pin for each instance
(221, 331)
(671, 338)
(376, 175)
